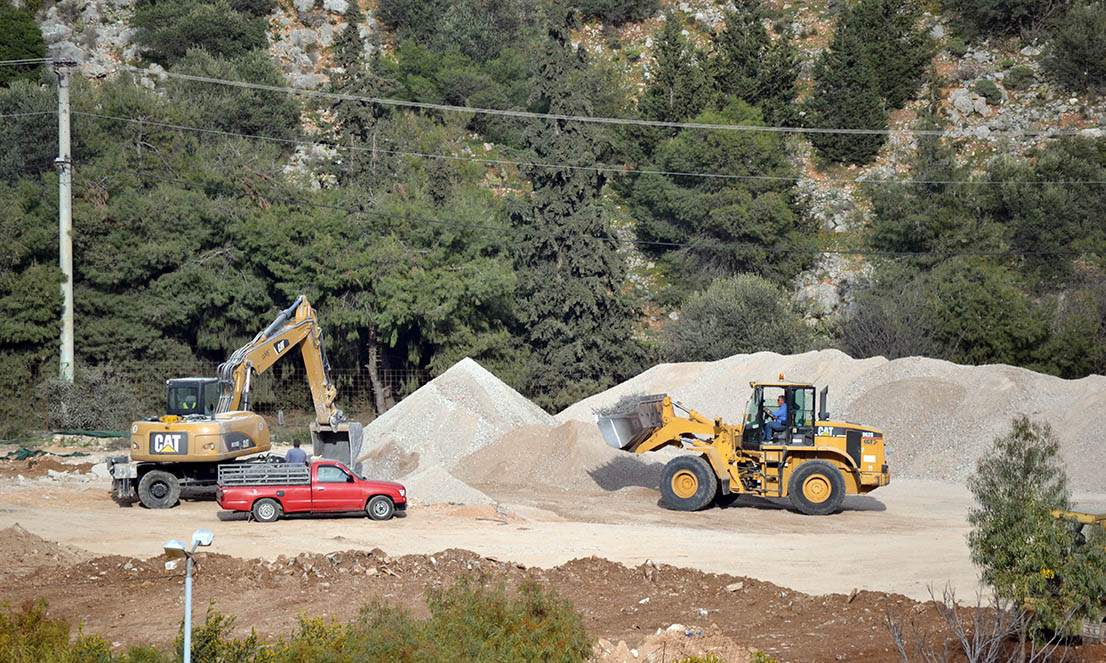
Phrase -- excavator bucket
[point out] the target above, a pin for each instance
(630, 421)
(342, 443)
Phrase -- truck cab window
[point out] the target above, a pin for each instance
(333, 474)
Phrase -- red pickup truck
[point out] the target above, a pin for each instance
(270, 490)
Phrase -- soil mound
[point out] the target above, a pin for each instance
(938, 417)
(428, 433)
(24, 553)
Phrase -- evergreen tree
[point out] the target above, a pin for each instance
(1023, 552)
(748, 64)
(576, 321)
(20, 39)
(897, 49)
(677, 91)
(846, 96)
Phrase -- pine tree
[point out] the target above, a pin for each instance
(896, 48)
(576, 320)
(749, 65)
(846, 97)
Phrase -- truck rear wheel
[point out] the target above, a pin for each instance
(688, 483)
(158, 489)
(265, 510)
(380, 508)
(816, 488)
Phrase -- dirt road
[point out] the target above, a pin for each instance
(906, 537)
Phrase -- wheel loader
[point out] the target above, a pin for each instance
(813, 461)
(208, 420)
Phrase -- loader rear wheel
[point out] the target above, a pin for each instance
(158, 490)
(688, 483)
(266, 510)
(816, 488)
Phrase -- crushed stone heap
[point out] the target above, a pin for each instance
(423, 438)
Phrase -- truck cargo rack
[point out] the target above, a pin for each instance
(264, 474)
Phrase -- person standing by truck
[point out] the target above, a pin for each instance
(295, 454)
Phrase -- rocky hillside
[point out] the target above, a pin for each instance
(993, 94)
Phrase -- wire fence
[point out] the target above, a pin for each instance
(134, 394)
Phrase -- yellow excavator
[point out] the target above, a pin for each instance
(812, 461)
(208, 420)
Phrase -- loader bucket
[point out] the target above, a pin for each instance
(342, 444)
(625, 426)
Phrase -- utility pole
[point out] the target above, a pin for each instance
(65, 217)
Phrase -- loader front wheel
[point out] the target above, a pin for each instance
(688, 483)
(158, 490)
(816, 488)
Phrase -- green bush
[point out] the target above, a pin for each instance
(30, 635)
(989, 91)
(957, 47)
(97, 399)
(1076, 52)
(742, 314)
(1019, 78)
(20, 39)
(1023, 552)
(234, 109)
(168, 29)
(617, 12)
(1002, 17)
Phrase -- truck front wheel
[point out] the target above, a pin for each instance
(380, 508)
(158, 490)
(688, 483)
(265, 510)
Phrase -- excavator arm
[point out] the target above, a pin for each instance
(296, 326)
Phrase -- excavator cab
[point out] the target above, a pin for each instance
(192, 396)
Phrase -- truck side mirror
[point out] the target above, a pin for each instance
(823, 403)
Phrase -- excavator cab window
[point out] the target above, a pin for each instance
(192, 396)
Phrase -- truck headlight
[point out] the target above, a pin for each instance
(402, 492)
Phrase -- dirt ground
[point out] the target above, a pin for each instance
(751, 576)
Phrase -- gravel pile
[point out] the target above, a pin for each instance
(422, 438)
(466, 434)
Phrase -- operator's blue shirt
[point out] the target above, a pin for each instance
(780, 413)
(296, 455)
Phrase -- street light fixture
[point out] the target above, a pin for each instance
(175, 550)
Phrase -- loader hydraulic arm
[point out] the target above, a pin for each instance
(296, 326)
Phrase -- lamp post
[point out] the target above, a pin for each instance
(175, 550)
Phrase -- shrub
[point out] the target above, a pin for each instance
(989, 91)
(957, 47)
(1023, 551)
(742, 314)
(246, 111)
(1076, 53)
(1002, 17)
(617, 12)
(1019, 78)
(20, 39)
(167, 30)
(97, 399)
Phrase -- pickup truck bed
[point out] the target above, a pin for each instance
(271, 490)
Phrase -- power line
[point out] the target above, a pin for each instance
(740, 248)
(29, 113)
(601, 168)
(25, 61)
(576, 118)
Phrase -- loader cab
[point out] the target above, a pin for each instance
(192, 396)
(799, 425)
